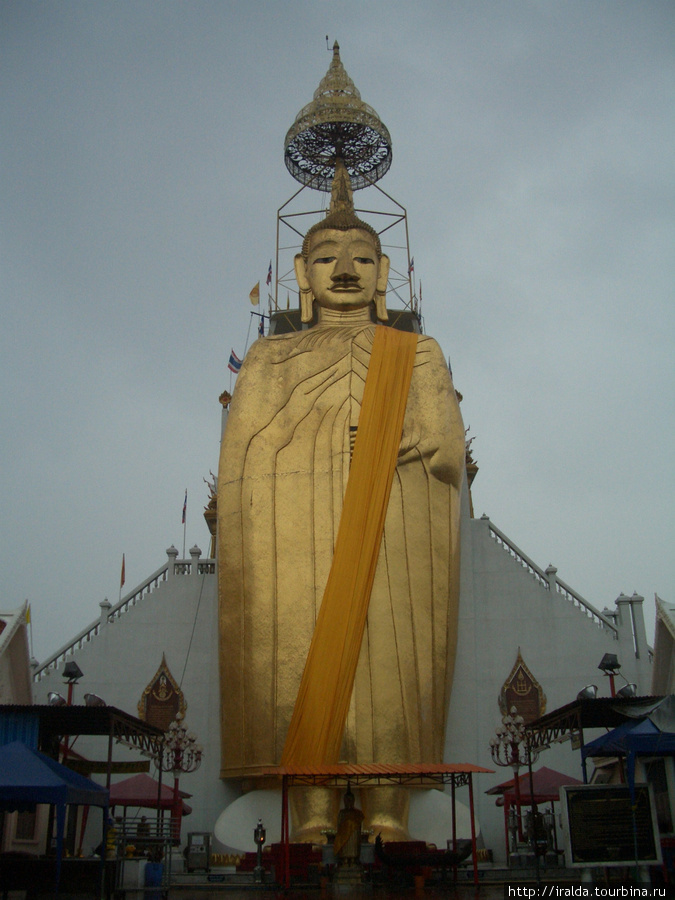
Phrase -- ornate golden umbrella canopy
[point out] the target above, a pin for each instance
(337, 124)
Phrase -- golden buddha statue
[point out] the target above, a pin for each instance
(347, 842)
(284, 467)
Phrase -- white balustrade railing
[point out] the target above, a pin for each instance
(549, 580)
(577, 600)
(109, 613)
(546, 578)
(517, 554)
(147, 587)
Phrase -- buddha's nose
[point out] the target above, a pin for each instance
(344, 269)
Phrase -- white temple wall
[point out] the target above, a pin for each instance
(504, 608)
(178, 619)
(15, 671)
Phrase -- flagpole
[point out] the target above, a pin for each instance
(30, 628)
(123, 577)
(184, 521)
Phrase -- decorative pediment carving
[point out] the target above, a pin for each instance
(162, 700)
(522, 690)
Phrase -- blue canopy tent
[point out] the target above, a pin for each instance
(651, 735)
(28, 777)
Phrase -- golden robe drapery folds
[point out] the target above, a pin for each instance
(283, 471)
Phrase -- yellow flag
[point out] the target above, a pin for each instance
(254, 296)
(28, 614)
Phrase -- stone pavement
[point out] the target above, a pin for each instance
(451, 892)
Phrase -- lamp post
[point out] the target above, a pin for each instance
(259, 835)
(510, 747)
(71, 675)
(180, 755)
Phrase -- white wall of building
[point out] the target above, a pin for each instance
(505, 607)
(15, 671)
(177, 619)
(506, 604)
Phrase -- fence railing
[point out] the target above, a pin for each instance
(549, 580)
(109, 613)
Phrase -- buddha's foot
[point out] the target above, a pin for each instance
(313, 810)
(386, 812)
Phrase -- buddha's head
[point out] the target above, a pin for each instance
(342, 266)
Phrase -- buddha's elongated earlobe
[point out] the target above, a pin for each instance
(306, 295)
(381, 307)
(306, 306)
(381, 289)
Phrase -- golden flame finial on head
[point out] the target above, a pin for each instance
(341, 194)
(341, 215)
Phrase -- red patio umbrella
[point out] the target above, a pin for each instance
(142, 790)
(546, 784)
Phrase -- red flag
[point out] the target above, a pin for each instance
(123, 574)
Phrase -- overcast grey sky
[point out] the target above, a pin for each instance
(141, 154)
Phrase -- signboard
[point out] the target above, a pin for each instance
(603, 827)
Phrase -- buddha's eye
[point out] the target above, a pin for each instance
(323, 260)
(364, 260)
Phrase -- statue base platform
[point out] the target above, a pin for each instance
(347, 877)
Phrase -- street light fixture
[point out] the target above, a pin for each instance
(510, 746)
(93, 700)
(610, 665)
(55, 699)
(590, 692)
(180, 755)
(71, 675)
(259, 836)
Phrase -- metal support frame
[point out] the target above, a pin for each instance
(398, 280)
(456, 775)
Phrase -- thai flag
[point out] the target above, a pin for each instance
(261, 327)
(269, 274)
(184, 509)
(411, 267)
(235, 363)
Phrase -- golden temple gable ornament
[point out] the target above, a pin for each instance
(522, 690)
(162, 700)
(211, 512)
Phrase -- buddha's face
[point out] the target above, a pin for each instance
(342, 269)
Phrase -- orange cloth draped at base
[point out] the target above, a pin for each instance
(317, 726)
